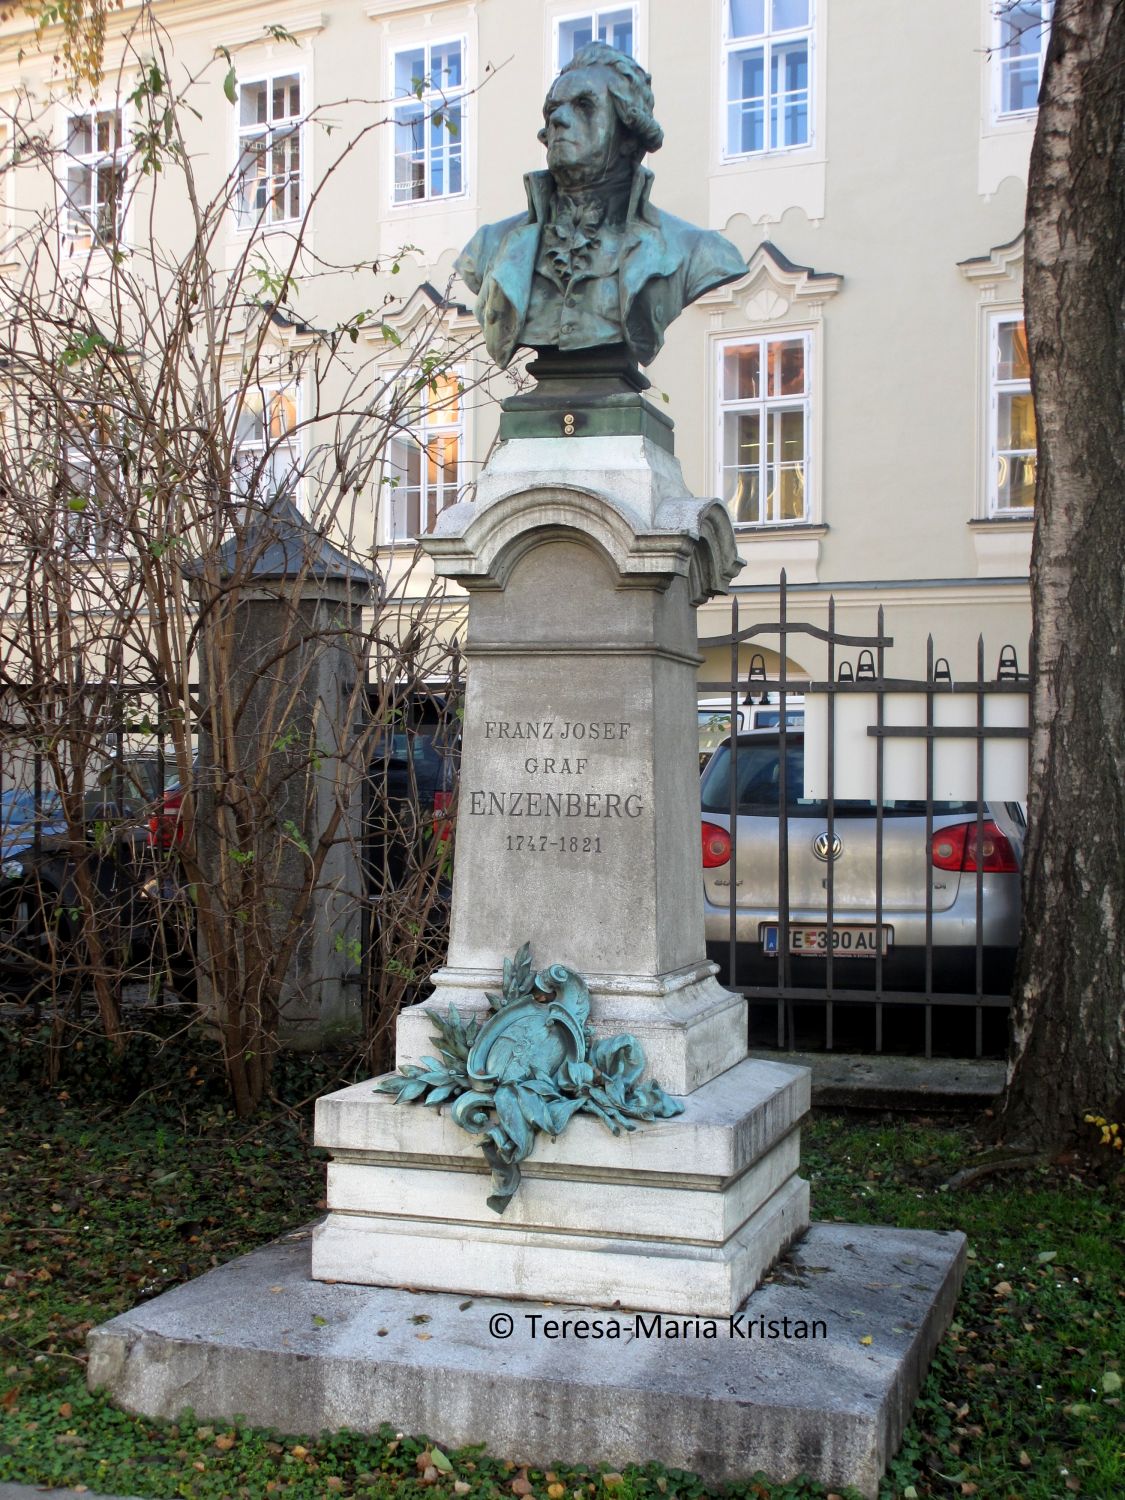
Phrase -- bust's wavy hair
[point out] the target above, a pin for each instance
(630, 88)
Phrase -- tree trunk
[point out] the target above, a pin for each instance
(1068, 1054)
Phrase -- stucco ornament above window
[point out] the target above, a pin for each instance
(592, 264)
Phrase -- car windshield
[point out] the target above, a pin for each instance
(758, 790)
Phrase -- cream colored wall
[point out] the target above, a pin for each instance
(906, 178)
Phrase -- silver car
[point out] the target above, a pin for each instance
(866, 919)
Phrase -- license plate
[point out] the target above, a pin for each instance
(847, 941)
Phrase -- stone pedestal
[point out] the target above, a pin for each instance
(578, 831)
(293, 663)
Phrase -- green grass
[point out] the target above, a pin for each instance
(132, 1177)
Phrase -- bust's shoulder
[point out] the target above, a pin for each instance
(709, 258)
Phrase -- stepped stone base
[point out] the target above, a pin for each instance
(786, 1388)
(682, 1215)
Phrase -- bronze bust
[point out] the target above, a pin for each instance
(592, 263)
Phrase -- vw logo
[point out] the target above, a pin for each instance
(823, 851)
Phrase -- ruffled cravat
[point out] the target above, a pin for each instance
(572, 236)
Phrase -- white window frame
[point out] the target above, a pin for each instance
(426, 429)
(997, 388)
(593, 13)
(1000, 58)
(768, 40)
(83, 241)
(767, 406)
(432, 100)
(288, 443)
(262, 219)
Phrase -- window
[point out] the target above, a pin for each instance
(1012, 420)
(1021, 29)
(429, 140)
(764, 429)
(89, 477)
(267, 460)
(269, 151)
(95, 180)
(425, 462)
(615, 25)
(767, 47)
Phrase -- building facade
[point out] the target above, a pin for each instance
(860, 399)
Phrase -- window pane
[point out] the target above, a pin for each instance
(741, 373)
(109, 130)
(746, 82)
(78, 184)
(1015, 486)
(1020, 85)
(410, 153)
(410, 70)
(790, 90)
(788, 14)
(1013, 363)
(573, 35)
(445, 66)
(1016, 421)
(252, 100)
(1022, 28)
(786, 367)
(286, 97)
(80, 135)
(615, 28)
(445, 398)
(741, 455)
(747, 17)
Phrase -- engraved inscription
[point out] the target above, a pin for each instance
(575, 799)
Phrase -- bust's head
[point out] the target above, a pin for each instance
(598, 116)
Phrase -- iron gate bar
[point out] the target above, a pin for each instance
(868, 678)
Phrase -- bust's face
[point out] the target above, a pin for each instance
(583, 134)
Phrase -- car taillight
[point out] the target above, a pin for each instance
(716, 846)
(443, 809)
(955, 848)
(165, 828)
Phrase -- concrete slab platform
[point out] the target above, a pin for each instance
(817, 1375)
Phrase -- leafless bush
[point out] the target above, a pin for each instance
(153, 449)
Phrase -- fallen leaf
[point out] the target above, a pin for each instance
(1046, 1256)
(1025, 1459)
(319, 1321)
(612, 1481)
(867, 1339)
(1111, 1382)
(423, 1336)
(968, 1488)
(66, 1410)
(556, 1491)
(1074, 1484)
(225, 1442)
(463, 1306)
(1002, 1289)
(299, 1452)
(437, 1457)
(461, 1487)
(521, 1485)
(420, 1318)
(334, 1482)
(430, 1475)
(277, 1288)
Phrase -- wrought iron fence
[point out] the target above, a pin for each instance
(825, 973)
